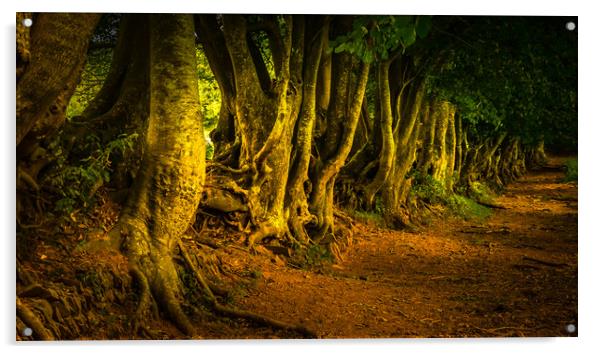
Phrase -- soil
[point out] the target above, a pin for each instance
(512, 274)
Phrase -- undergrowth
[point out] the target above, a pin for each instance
(461, 201)
(77, 182)
(571, 170)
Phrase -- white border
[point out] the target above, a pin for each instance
(590, 199)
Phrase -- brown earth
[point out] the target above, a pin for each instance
(512, 274)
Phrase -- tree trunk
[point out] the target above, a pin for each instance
(122, 104)
(451, 142)
(396, 188)
(266, 122)
(212, 39)
(298, 209)
(337, 142)
(168, 185)
(57, 55)
(50, 59)
(387, 152)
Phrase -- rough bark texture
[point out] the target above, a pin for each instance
(50, 58)
(168, 186)
(122, 104)
(337, 142)
(56, 55)
(387, 153)
(298, 209)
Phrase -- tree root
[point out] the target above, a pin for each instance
(547, 263)
(164, 291)
(39, 331)
(29, 180)
(145, 299)
(490, 205)
(237, 313)
(262, 232)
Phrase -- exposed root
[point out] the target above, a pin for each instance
(163, 289)
(547, 263)
(219, 166)
(29, 180)
(39, 331)
(491, 205)
(145, 299)
(237, 313)
(265, 230)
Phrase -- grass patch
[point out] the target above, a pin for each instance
(467, 208)
(481, 192)
(368, 217)
(462, 204)
(571, 170)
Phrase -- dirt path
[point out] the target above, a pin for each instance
(513, 275)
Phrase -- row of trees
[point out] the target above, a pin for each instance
(317, 113)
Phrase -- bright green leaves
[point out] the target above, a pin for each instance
(377, 37)
(209, 93)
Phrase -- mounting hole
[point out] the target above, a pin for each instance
(27, 332)
(27, 22)
(571, 328)
(571, 26)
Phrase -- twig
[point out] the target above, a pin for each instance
(551, 264)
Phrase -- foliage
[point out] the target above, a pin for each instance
(571, 170)
(209, 93)
(467, 208)
(317, 255)
(517, 75)
(482, 192)
(432, 191)
(369, 217)
(77, 183)
(93, 76)
(374, 38)
(428, 189)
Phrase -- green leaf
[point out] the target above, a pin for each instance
(340, 48)
(423, 26)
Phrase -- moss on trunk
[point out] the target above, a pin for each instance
(168, 186)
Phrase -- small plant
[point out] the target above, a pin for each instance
(481, 192)
(428, 189)
(76, 184)
(467, 208)
(571, 170)
(317, 255)
(370, 217)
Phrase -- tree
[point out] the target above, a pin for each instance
(50, 58)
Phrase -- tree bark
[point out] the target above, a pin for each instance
(168, 186)
(338, 143)
(57, 54)
(387, 152)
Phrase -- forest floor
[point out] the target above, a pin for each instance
(513, 273)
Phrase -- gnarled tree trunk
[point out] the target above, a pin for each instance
(168, 185)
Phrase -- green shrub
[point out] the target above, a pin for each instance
(77, 183)
(467, 208)
(428, 189)
(571, 170)
(462, 203)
